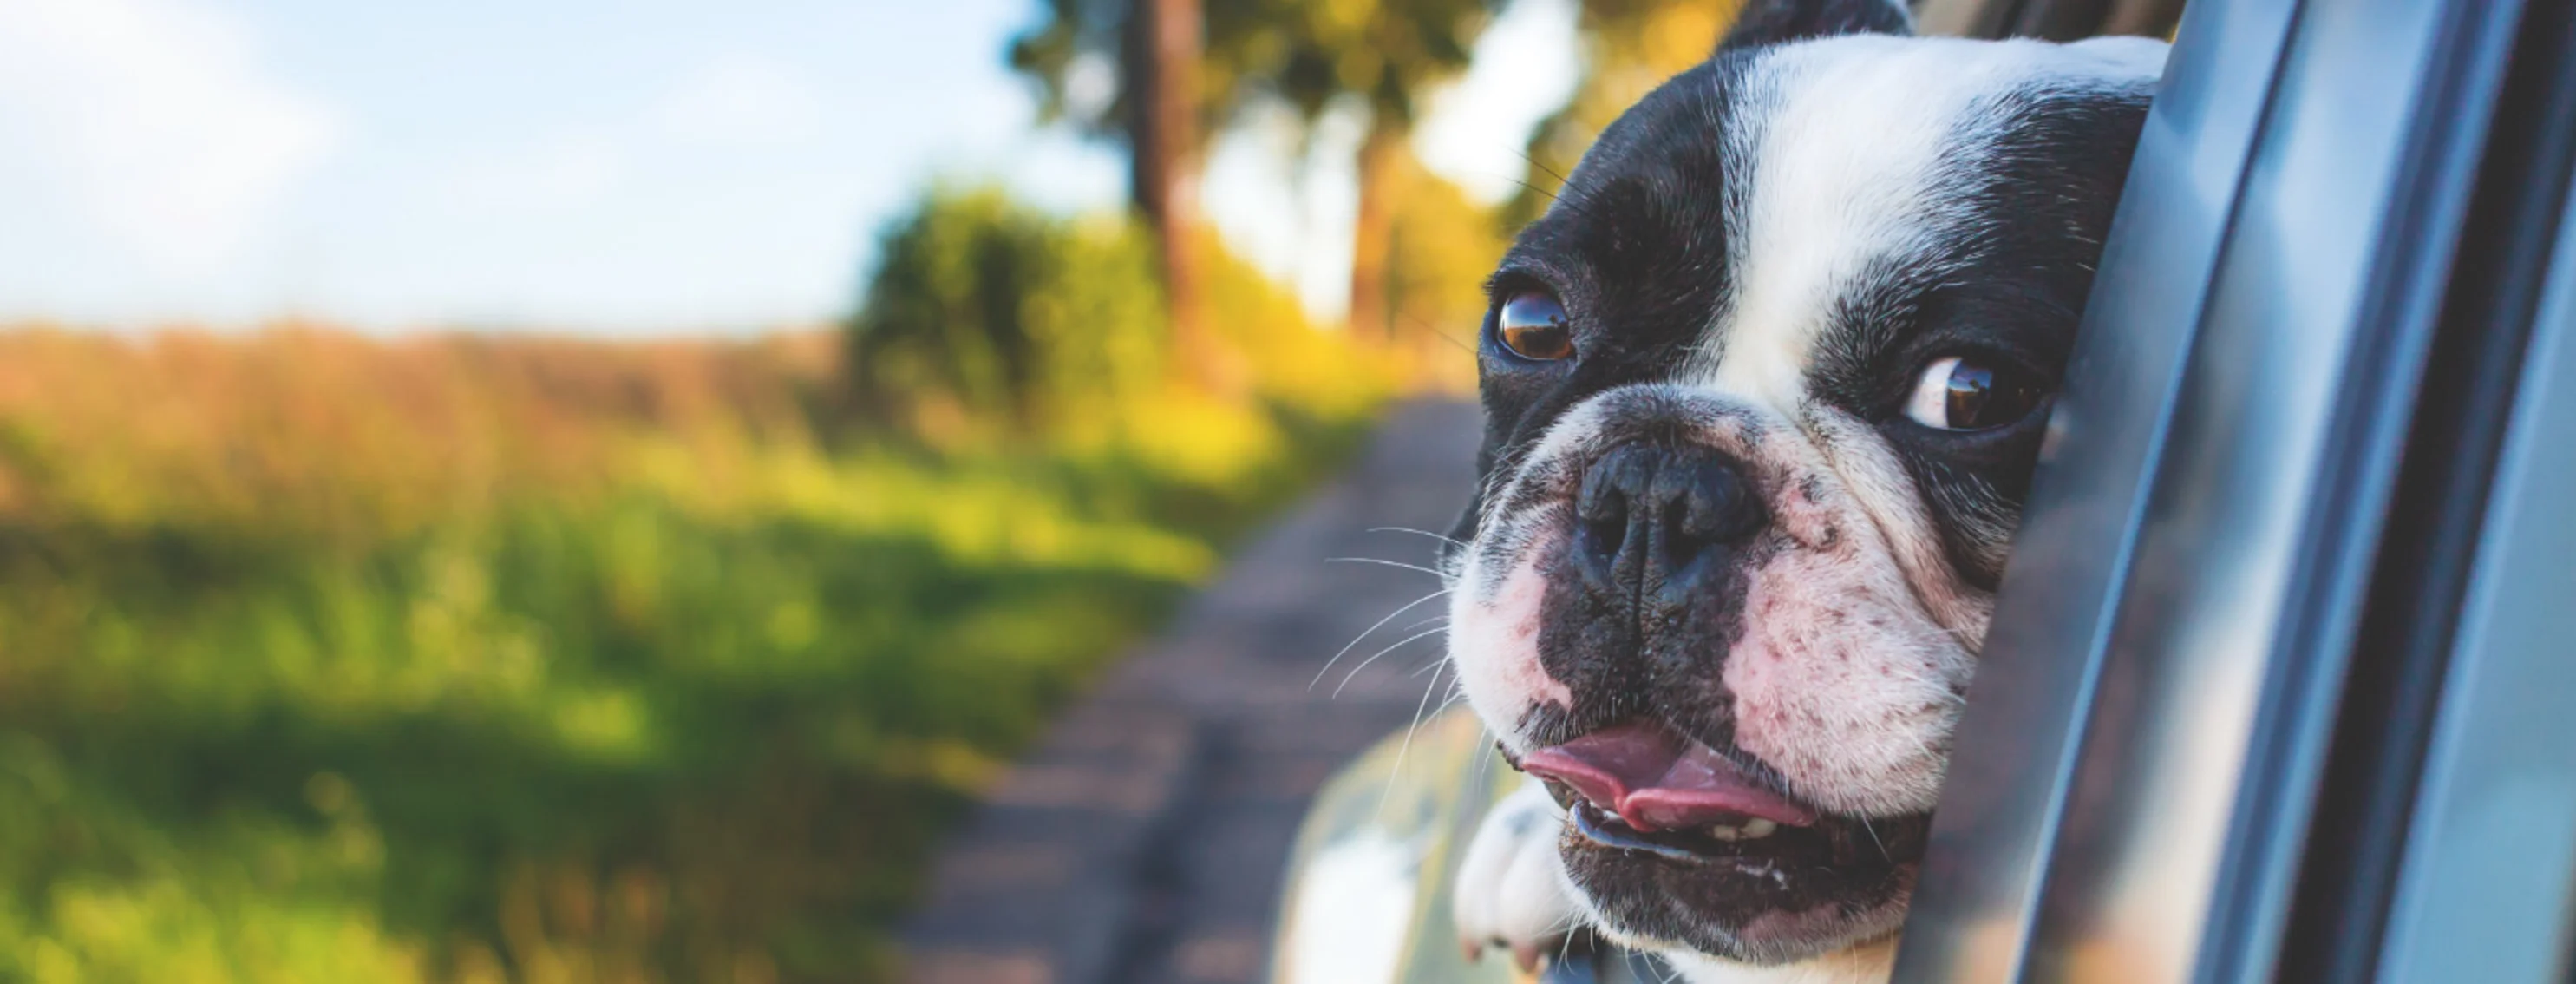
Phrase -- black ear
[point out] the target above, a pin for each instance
(1782, 21)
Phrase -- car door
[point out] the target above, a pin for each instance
(2282, 681)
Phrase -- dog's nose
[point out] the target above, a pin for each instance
(1656, 519)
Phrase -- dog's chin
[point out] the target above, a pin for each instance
(1798, 893)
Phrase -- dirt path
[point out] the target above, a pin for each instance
(1142, 840)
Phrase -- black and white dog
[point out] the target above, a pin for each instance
(1763, 391)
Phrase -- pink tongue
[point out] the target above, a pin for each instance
(1656, 780)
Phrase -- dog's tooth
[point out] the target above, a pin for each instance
(1758, 828)
(1722, 832)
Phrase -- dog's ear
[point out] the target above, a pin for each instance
(1781, 21)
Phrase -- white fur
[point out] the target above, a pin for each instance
(1494, 613)
(1860, 965)
(1849, 168)
(1860, 636)
(1493, 643)
(1512, 888)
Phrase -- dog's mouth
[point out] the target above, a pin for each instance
(1680, 842)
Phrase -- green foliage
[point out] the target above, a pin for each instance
(644, 679)
(1076, 35)
(987, 318)
(1379, 57)
(1629, 48)
(1443, 246)
(1301, 53)
(994, 310)
(1386, 54)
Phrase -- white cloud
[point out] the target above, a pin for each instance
(159, 122)
(740, 99)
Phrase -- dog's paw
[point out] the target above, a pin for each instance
(1511, 889)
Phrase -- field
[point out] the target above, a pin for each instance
(326, 658)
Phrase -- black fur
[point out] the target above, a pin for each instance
(1636, 249)
(1765, 22)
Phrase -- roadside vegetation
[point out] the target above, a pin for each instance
(327, 658)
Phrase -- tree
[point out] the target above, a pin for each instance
(1629, 48)
(1163, 55)
(1310, 55)
(1384, 55)
(1149, 52)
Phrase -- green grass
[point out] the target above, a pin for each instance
(688, 708)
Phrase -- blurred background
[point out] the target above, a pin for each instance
(588, 491)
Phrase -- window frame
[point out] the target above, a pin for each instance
(2237, 596)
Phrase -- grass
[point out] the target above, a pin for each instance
(325, 658)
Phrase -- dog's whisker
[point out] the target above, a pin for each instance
(1873, 838)
(1452, 541)
(1364, 634)
(1438, 332)
(1543, 169)
(1397, 770)
(1457, 695)
(1566, 923)
(1536, 190)
(1428, 621)
(1388, 563)
(1399, 644)
(1436, 663)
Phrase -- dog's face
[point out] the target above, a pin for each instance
(1763, 390)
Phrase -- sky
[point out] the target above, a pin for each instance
(591, 166)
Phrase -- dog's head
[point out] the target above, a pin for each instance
(1763, 391)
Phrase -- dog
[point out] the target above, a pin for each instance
(1763, 391)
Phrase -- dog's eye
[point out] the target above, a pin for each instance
(1964, 393)
(1533, 326)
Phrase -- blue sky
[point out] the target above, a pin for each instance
(632, 166)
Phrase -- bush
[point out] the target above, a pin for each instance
(983, 309)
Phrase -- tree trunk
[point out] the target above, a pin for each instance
(1381, 171)
(1163, 49)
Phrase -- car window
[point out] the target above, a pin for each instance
(2056, 20)
(2232, 625)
